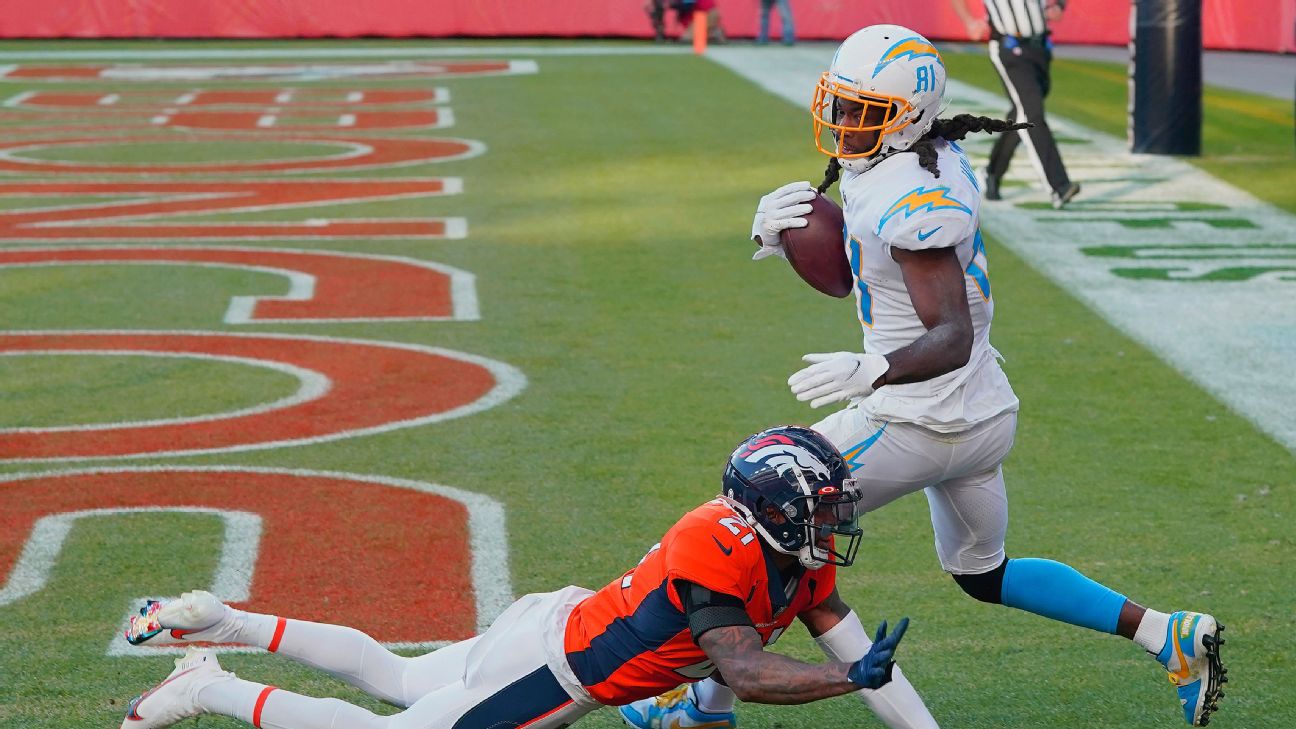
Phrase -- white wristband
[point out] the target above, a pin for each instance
(897, 704)
(846, 641)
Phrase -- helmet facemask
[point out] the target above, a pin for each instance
(890, 70)
(835, 519)
(808, 526)
(830, 93)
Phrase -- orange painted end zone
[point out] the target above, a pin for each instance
(300, 97)
(350, 153)
(346, 286)
(372, 386)
(261, 72)
(141, 203)
(394, 562)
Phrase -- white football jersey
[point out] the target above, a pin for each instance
(897, 203)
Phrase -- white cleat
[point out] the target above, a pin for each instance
(1192, 657)
(197, 616)
(176, 698)
(675, 709)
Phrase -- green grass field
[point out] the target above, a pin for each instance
(607, 225)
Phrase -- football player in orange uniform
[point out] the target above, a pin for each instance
(723, 583)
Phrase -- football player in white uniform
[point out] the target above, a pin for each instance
(929, 407)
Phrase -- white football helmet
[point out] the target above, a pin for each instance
(887, 68)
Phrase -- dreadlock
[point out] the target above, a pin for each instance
(830, 175)
(955, 129)
(948, 129)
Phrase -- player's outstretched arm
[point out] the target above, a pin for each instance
(769, 678)
(839, 633)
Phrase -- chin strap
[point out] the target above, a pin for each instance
(806, 556)
(864, 164)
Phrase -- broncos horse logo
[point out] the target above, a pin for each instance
(783, 455)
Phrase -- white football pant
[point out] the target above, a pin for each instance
(501, 678)
(961, 474)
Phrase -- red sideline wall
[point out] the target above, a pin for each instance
(1260, 25)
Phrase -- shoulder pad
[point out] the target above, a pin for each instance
(927, 216)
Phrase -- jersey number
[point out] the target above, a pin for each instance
(978, 269)
(737, 526)
(865, 298)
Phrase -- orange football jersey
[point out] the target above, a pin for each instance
(631, 639)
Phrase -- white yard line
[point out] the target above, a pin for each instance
(1199, 271)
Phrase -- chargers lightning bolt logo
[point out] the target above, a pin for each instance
(852, 454)
(911, 47)
(920, 198)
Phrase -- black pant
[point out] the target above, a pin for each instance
(1023, 67)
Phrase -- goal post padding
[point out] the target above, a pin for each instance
(1165, 77)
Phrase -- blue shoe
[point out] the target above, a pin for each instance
(1191, 655)
(673, 710)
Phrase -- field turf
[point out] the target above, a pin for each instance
(607, 226)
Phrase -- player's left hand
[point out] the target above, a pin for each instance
(835, 376)
(873, 671)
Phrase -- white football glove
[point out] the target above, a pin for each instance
(836, 376)
(778, 211)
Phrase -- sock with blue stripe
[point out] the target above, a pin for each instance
(1058, 591)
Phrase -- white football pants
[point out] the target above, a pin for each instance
(961, 474)
(501, 678)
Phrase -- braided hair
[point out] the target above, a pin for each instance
(830, 175)
(948, 129)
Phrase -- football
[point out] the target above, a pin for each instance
(817, 252)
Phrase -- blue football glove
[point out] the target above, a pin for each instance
(873, 671)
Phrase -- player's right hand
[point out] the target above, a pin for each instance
(836, 376)
(782, 209)
(873, 671)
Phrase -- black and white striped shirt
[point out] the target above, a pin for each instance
(1021, 18)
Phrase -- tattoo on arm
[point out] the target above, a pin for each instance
(756, 675)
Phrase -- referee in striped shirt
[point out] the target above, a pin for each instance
(1021, 51)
